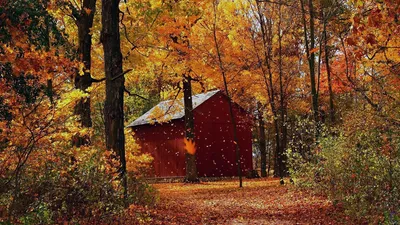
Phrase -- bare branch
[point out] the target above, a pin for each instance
(122, 74)
(173, 101)
(135, 95)
(93, 80)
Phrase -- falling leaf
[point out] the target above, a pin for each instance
(88, 11)
(190, 146)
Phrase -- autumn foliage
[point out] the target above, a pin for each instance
(320, 77)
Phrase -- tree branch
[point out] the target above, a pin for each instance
(93, 80)
(173, 101)
(135, 95)
(122, 74)
(274, 2)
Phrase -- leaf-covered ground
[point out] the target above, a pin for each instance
(260, 201)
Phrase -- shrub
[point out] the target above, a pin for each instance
(79, 185)
(359, 169)
(142, 193)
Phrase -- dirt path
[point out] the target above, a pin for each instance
(261, 201)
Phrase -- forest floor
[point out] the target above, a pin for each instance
(260, 201)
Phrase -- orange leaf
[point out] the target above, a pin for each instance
(190, 146)
(351, 41)
(313, 50)
(88, 11)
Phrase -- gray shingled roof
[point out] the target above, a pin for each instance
(170, 110)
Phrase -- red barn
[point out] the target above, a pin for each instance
(215, 149)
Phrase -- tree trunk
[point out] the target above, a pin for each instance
(261, 142)
(113, 105)
(328, 72)
(269, 155)
(231, 113)
(191, 169)
(266, 31)
(311, 61)
(312, 69)
(84, 22)
(281, 154)
(49, 88)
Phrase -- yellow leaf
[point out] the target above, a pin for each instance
(81, 69)
(368, 78)
(155, 4)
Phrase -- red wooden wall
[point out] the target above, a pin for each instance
(214, 138)
(215, 149)
(165, 143)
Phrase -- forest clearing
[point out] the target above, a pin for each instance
(297, 100)
(261, 201)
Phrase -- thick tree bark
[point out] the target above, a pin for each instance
(84, 22)
(262, 142)
(113, 106)
(191, 169)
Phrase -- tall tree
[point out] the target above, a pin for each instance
(114, 102)
(84, 22)
(191, 169)
(310, 51)
(231, 113)
(282, 104)
(262, 142)
(83, 16)
(325, 18)
(266, 30)
(183, 16)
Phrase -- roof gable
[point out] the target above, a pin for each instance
(170, 110)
